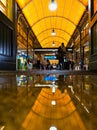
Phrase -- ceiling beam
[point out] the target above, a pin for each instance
(54, 29)
(48, 17)
(52, 36)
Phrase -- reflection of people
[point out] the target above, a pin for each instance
(81, 64)
(61, 83)
(61, 53)
(38, 64)
(72, 64)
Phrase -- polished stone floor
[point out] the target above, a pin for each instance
(48, 101)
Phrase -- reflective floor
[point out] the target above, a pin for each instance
(48, 102)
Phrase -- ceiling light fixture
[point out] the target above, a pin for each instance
(53, 44)
(53, 128)
(53, 33)
(53, 102)
(53, 5)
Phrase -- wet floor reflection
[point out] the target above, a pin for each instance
(42, 102)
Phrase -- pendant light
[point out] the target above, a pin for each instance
(53, 5)
(53, 44)
(53, 33)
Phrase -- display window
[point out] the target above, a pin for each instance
(94, 39)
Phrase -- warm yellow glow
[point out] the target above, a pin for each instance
(42, 111)
(23, 3)
(4, 2)
(85, 2)
(42, 20)
(6, 7)
(95, 6)
(54, 62)
(10, 9)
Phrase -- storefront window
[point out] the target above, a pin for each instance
(6, 8)
(86, 55)
(94, 39)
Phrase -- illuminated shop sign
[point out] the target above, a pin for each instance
(50, 57)
(69, 49)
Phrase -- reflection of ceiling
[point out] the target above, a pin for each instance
(64, 20)
(43, 114)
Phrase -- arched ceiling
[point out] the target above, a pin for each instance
(42, 21)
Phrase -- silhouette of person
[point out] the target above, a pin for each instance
(61, 54)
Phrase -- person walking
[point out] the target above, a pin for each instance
(61, 54)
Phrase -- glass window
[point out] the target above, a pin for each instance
(94, 39)
(6, 45)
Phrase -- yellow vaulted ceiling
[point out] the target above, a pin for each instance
(64, 20)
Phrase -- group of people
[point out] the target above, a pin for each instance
(63, 64)
(42, 64)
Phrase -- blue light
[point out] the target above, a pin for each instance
(50, 78)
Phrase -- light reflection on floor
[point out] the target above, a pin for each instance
(26, 102)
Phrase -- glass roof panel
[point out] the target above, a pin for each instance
(64, 20)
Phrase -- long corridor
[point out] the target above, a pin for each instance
(44, 101)
(48, 65)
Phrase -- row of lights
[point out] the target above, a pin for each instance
(53, 7)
